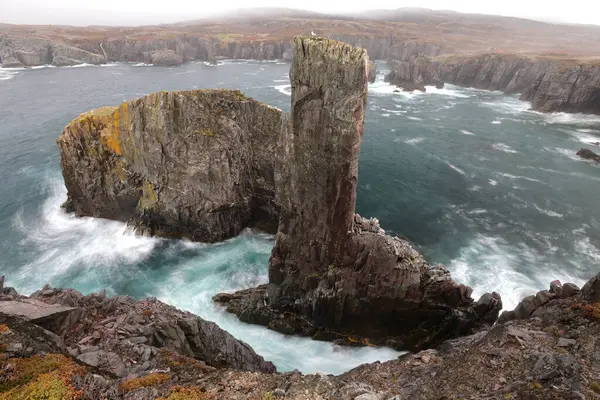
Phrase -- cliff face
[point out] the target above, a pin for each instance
(414, 74)
(568, 89)
(333, 273)
(550, 85)
(20, 51)
(191, 164)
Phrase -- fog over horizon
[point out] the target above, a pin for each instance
(149, 12)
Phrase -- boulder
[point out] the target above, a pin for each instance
(569, 290)
(591, 290)
(166, 58)
(588, 155)
(32, 310)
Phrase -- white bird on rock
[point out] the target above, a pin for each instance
(312, 33)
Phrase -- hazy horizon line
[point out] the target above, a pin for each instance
(175, 20)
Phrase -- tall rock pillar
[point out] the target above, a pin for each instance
(318, 170)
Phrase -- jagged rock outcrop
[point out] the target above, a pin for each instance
(566, 88)
(588, 155)
(195, 164)
(332, 273)
(550, 355)
(414, 74)
(123, 336)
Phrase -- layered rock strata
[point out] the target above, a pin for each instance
(332, 273)
(550, 85)
(194, 164)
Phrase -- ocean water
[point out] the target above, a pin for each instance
(473, 178)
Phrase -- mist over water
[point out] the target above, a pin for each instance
(473, 178)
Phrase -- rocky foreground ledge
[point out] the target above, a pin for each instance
(59, 344)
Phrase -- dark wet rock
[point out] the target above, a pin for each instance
(588, 155)
(196, 164)
(340, 278)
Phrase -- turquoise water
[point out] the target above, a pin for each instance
(473, 178)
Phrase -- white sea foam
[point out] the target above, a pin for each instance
(9, 73)
(281, 80)
(448, 90)
(492, 182)
(583, 136)
(385, 115)
(95, 250)
(415, 118)
(510, 176)
(508, 105)
(143, 65)
(414, 140)
(549, 213)
(491, 264)
(503, 147)
(465, 132)
(497, 122)
(285, 89)
(89, 241)
(571, 118)
(460, 171)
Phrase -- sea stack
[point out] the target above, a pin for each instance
(194, 164)
(334, 275)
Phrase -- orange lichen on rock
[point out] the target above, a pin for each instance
(40, 377)
(144, 381)
(589, 310)
(4, 329)
(185, 393)
(110, 135)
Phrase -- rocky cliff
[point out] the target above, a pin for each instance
(551, 85)
(74, 347)
(333, 274)
(195, 164)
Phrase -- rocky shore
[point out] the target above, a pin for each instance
(60, 344)
(550, 84)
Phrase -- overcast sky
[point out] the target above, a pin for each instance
(137, 12)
